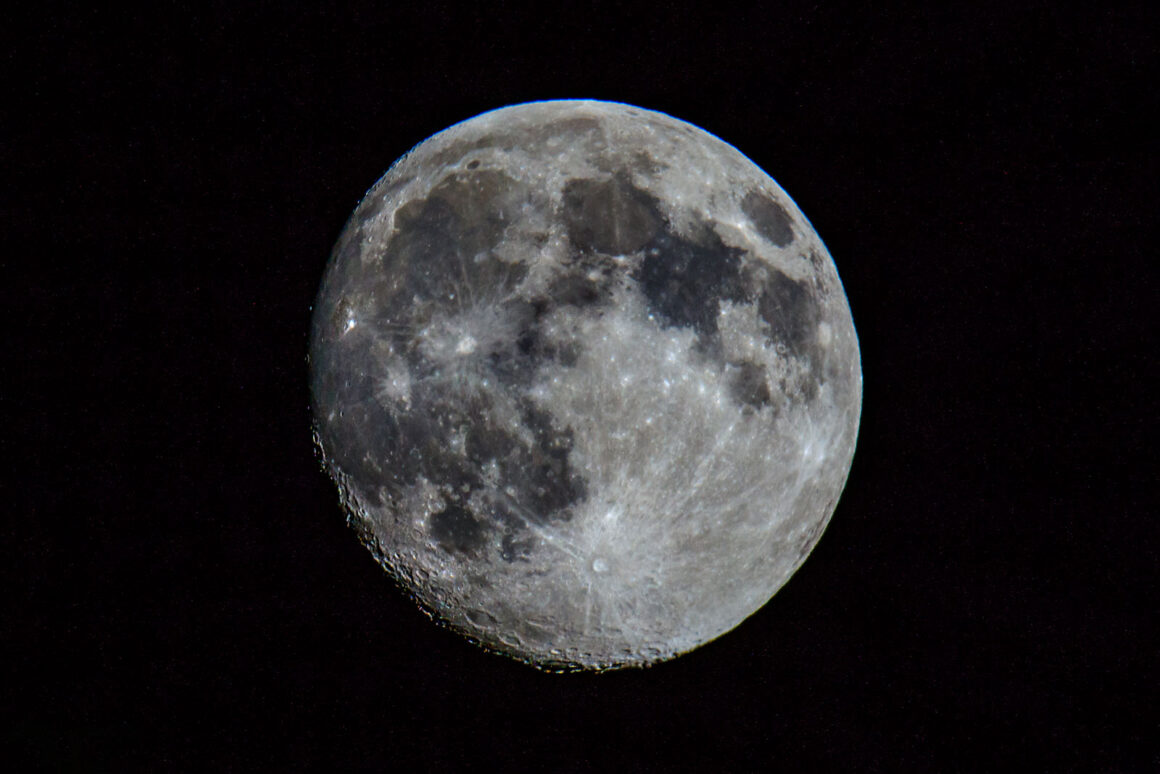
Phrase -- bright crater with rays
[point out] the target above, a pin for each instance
(587, 381)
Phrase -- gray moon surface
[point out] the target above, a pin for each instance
(587, 381)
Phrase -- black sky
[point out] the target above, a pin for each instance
(185, 593)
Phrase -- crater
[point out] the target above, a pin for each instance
(768, 217)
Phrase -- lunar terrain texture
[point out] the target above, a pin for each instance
(587, 381)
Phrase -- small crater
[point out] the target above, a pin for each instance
(768, 217)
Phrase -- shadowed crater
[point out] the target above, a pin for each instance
(768, 217)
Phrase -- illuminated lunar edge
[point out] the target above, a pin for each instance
(587, 380)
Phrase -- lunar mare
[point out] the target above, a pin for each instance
(587, 380)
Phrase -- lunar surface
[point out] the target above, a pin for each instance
(587, 381)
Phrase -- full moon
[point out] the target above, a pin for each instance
(587, 381)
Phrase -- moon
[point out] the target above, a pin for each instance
(587, 381)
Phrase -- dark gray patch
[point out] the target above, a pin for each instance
(480, 617)
(609, 216)
(345, 257)
(473, 200)
(530, 349)
(574, 290)
(684, 278)
(373, 203)
(370, 207)
(646, 163)
(748, 385)
(379, 448)
(515, 548)
(573, 127)
(567, 354)
(418, 442)
(768, 217)
(429, 456)
(516, 363)
(814, 534)
(343, 434)
(791, 310)
(442, 243)
(400, 447)
(452, 154)
(457, 531)
(536, 476)
(485, 443)
(544, 483)
(473, 164)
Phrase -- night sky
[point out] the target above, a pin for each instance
(184, 592)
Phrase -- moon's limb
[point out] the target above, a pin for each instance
(588, 381)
